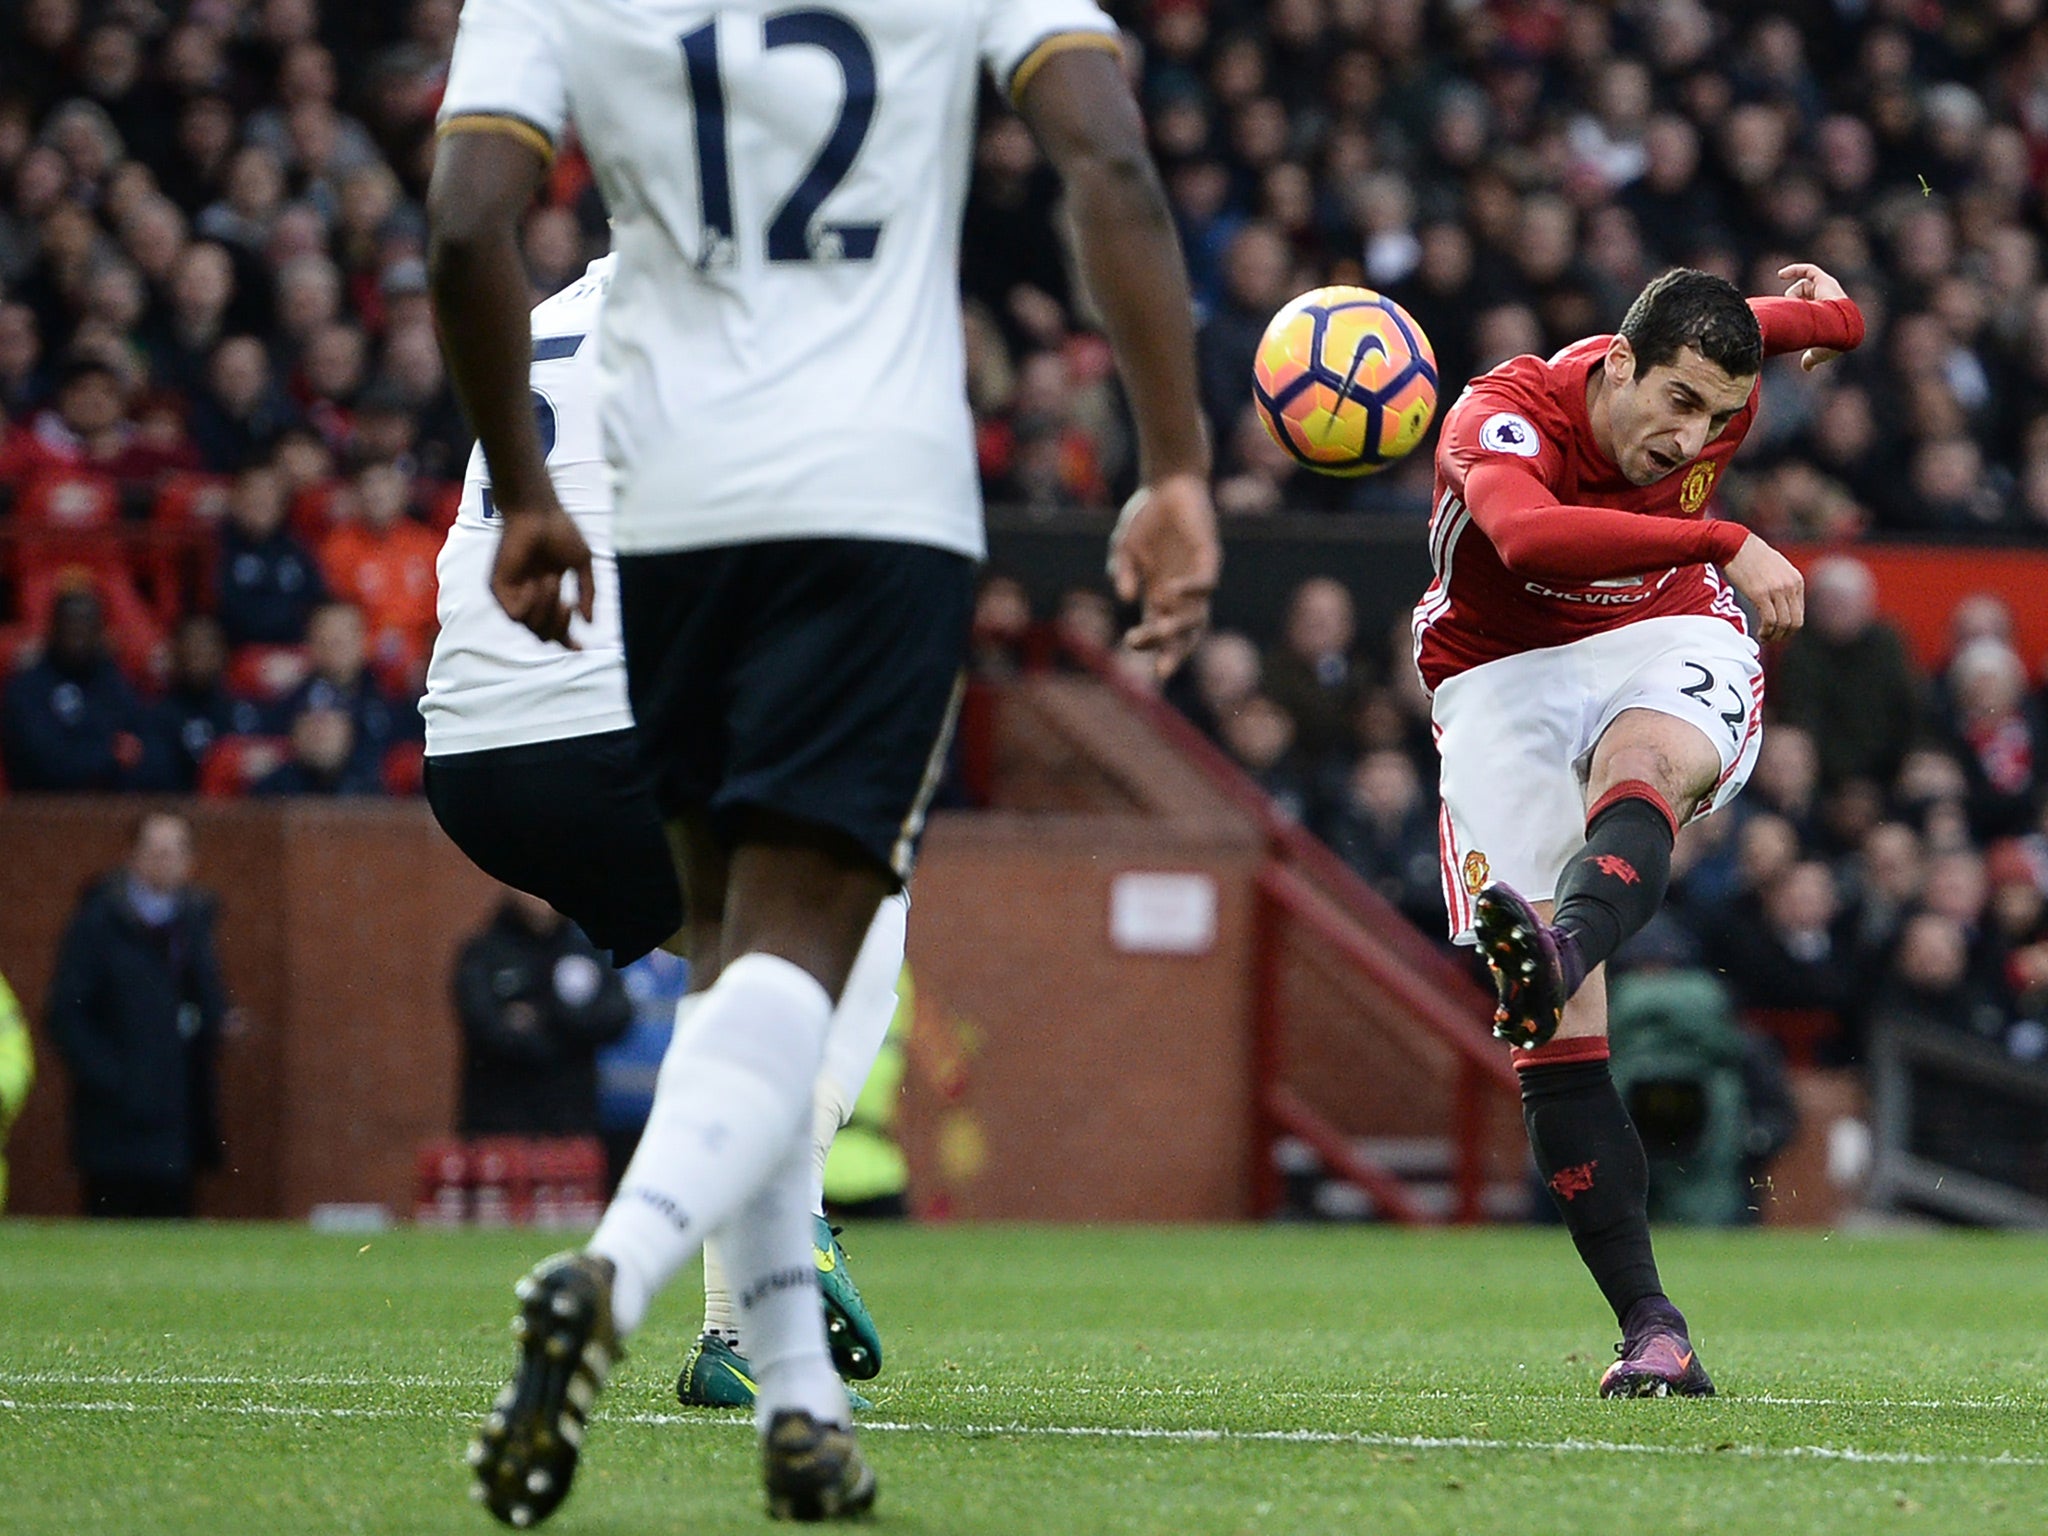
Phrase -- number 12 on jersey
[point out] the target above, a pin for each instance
(790, 235)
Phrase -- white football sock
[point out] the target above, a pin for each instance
(734, 1086)
(775, 1276)
(720, 1315)
(860, 1024)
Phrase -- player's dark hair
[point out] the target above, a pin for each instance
(1689, 308)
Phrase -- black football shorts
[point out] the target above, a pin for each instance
(814, 679)
(573, 822)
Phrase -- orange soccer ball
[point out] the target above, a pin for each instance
(1345, 381)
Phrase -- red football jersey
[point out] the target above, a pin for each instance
(1534, 412)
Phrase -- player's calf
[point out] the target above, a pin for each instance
(1617, 881)
(1592, 1163)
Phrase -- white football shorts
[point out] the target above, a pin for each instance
(1517, 735)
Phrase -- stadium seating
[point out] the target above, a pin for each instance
(497, 1181)
(266, 673)
(67, 499)
(233, 765)
(189, 501)
(404, 768)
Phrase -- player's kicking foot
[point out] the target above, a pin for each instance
(814, 1471)
(1657, 1357)
(849, 1330)
(1533, 964)
(525, 1454)
(715, 1375)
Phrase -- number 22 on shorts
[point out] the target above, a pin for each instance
(1734, 718)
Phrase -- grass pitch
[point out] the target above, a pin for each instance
(250, 1380)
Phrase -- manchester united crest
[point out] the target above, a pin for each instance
(1699, 483)
(1476, 871)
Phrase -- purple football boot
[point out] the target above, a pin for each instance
(1536, 967)
(1657, 1358)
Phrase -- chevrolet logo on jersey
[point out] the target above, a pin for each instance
(1699, 483)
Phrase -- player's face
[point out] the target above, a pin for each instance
(1663, 418)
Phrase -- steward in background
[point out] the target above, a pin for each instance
(537, 1000)
(136, 1009)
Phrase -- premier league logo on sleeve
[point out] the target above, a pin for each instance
(1505, 432)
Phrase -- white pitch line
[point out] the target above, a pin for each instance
(1443, 1395)
(1362, 1439)
(1061, 1393)
(129, 1379)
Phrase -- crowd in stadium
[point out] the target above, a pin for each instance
(227, 441)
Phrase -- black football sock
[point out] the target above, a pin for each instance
(1617, 881)
(1592, 1162)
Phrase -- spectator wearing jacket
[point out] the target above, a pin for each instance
(1846, 678)
(1317, 673)
(383, 562)
(269, 582)
(198, 707)
(341, 680)
(324, 759)
(90, 429)
(536, 1000)
(243, 411)
(71, 722)
(135, 1011)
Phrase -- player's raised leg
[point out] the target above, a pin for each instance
(1646, 763)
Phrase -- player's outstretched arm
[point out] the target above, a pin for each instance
(1165, 551)
(482, 183)
(1816, 318)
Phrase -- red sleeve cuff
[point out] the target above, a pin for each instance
(1724, 541)
(1793, 325)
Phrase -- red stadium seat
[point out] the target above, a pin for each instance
(19, 647)
(189, 500)
(233, 764)
(70, 499)
(1799, 1031)
(500, 1181)
(312, 511)
(266, 673)
(442, 502)
(441, 1175)
(405, 768)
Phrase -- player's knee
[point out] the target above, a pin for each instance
(1672, 756)
(808, 899)
(1677, 781)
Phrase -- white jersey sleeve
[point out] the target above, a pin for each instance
(507, 64)
(1019, 35)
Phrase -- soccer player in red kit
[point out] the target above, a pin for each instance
(1593, 686)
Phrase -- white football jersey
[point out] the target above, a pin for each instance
(491, 683)
(782, 354)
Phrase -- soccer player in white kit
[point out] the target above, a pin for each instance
(798, 526)
(533, 771)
